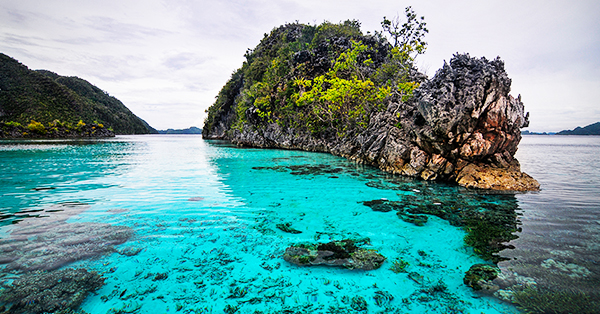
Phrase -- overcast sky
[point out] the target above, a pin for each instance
(167, 60)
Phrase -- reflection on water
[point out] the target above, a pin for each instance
(174, 223)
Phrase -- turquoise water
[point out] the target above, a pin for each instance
(178, 224)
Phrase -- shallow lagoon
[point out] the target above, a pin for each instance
(204, 218)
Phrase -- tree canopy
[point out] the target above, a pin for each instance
(325, 79)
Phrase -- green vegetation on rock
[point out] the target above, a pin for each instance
(343, 253)
(54, 129)
(44, 97)
(326, 80)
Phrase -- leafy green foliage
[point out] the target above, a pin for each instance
(225, 101)
(325, 80)
(80, 124)
(13, 124)
(36, 127)
(341, 103)
(54, 129)
(409, 36)
(328, 30)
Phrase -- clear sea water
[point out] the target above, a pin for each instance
(203, 219)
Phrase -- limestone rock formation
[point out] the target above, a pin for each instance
(461, 126)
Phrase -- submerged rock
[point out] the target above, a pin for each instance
(572, 270)
(358, 304)
(343, 253)
(490, 221)
(480, 276)
(48, 242)
(417, 220)
(381, 205)
(57, 291)
(287, 227)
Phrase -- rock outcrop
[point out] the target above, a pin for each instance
(480, 276)
(462, 126)
(343, 253)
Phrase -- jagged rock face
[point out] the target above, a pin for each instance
(463, 126)
(468, 111)
(460, 126)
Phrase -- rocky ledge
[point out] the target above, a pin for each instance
(460, 126)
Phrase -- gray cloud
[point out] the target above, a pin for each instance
(184, 60)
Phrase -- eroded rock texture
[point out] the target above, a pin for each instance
(460, 126)
(343, 253)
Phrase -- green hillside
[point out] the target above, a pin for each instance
(45, 96)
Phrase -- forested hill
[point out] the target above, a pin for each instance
(44, 96)
(592, 129)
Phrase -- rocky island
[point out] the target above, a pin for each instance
(331, 88)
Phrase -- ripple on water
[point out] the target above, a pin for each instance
(205, 239)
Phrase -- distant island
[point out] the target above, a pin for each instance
(40, 104)
(592, 129)
(537, 133)
(190, 130)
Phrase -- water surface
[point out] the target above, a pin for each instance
(194, 225)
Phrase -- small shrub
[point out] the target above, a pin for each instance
(13, 124)
(80, 124)
(36, 127)
(55, 123)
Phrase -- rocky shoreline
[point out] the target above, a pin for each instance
(460, 126)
